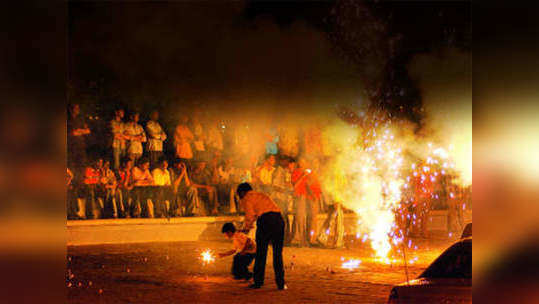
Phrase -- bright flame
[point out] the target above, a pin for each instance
(351, 264)
(366, 178)
(207, 257)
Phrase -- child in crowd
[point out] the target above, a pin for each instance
(245, 250)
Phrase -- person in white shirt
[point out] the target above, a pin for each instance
(244, 250)
(156, 137)
(161, 179)
(117, 127)
(142, 180)
(136, 135)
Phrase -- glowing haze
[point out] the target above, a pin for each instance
(371, 164)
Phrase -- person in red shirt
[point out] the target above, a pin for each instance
(307, 192)
(92, 179)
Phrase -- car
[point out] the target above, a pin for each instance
(447, 280)
(467, 232)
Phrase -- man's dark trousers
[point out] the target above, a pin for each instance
(240, 266)
(270, 228)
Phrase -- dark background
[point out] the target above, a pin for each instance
(231, 55)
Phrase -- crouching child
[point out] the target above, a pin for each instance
(244, 249)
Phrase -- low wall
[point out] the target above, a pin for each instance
(118, 231)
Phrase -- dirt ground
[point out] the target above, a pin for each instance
(174, 273)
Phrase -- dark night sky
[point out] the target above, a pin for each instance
(235, 53)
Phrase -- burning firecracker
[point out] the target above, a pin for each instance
(207, 257)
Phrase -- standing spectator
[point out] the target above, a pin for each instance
(117, 127)
(142, 191)
(186, 199)
(313, 141)
(225, 191)
(272, 140)
(282, 193)
(77, 132)
(137, 136)
(242, 144)
(332, 233)
(215, 139)
(241, 173)
(182, 140)
(202, 180)
(156, 138)
(161, 178)
(199, 139)
(289, 142)
(454, 213)
(307, 191)
(265, 174)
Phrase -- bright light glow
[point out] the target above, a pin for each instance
(351, 264)
(207, 257)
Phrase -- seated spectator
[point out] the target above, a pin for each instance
(186, 201)
(142, 192)
(125, 184)
(202, 180)
(93, 191)
(71, 198)
(161, 177)
(113, 196)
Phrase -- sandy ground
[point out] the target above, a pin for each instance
(174, 273)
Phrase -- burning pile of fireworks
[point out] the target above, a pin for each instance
(372, 174)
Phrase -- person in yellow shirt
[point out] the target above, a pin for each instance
(269, 228)
(244, 249)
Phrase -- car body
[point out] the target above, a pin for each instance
(467, 232)
(447, 280)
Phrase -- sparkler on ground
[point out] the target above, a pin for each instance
(207, 257)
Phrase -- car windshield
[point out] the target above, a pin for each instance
(455, 262)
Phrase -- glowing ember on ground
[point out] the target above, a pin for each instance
(351, 264)
(207, 257)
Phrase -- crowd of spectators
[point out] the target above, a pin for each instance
(133, 175)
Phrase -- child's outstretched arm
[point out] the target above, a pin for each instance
(226, 253)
